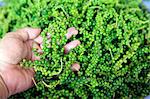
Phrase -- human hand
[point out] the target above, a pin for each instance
(14, 47)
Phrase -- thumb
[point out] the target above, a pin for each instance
(30, 33)
(24, 34)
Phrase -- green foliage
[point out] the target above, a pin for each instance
(114, 53)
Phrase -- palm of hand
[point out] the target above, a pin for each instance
(13, 48)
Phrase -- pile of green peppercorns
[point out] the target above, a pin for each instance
(111, 61)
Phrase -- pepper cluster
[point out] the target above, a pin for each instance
(114, 54)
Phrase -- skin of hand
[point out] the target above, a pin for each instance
(14, 47)
(18, 45)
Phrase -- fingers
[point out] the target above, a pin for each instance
(31, 35)
(48, 40)
(19, 44)
(38, 40)
(28, 33)
(75, 67)
(34, 57)
(29, 54)
(70, 32)
(37, 47)
(71, 45)
(36, 44)
(48, 36)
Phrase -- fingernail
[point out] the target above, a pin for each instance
(75, 67)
